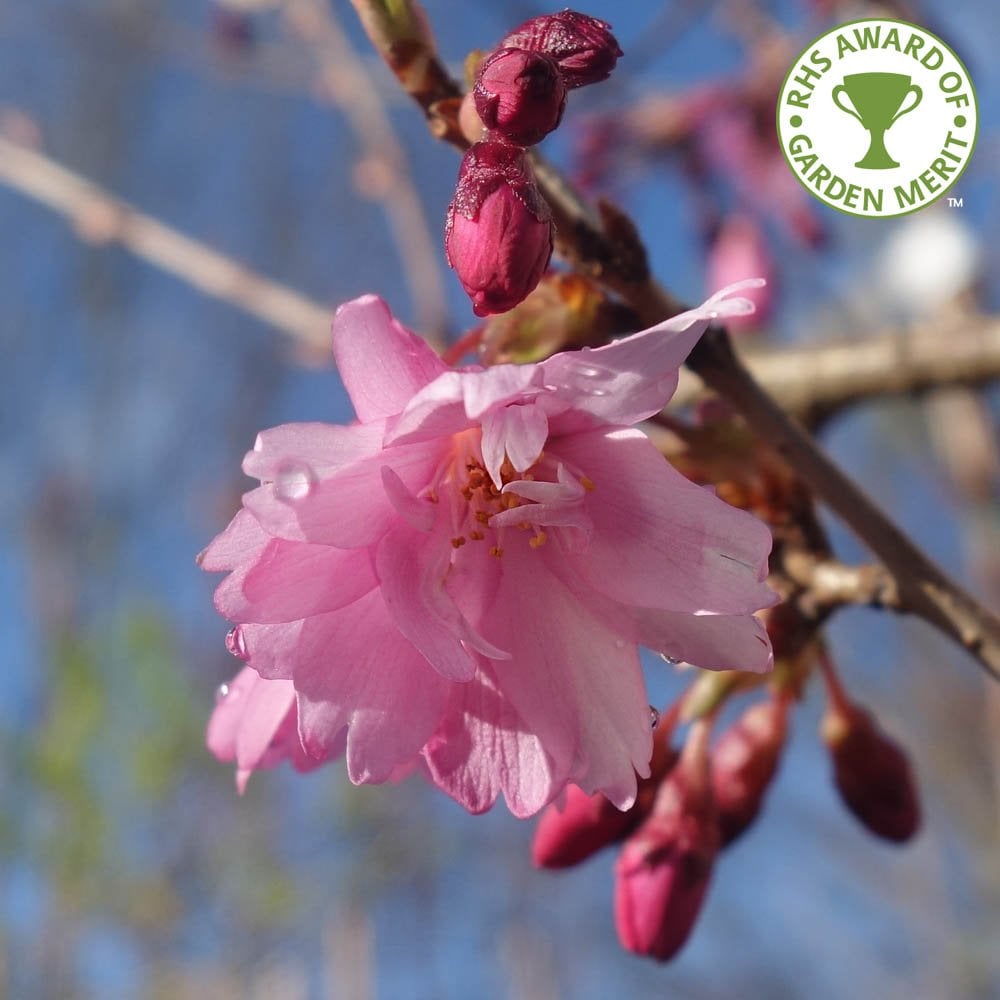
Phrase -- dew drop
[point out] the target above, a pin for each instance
(221, 693)
(236, 644)
(654, 717)
(620, 643)
(672, 660)
(294, 481)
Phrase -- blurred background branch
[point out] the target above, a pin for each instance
(816, 380)
(100, 218)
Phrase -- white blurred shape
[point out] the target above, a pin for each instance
(931, 258)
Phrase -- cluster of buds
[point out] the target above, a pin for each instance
(498, 235)
(692, 805)
(699, 801)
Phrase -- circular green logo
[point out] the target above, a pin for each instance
(877, 118)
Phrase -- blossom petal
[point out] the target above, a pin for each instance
(659, 540)
(272, 650)
(716, 642)
(351, 508)
(236, 545)
(458, 399)
(354, 668)
(490, 388)
(292, 580)
(483, 748)
(574, 681)
(250, 724)
(227, 717)
(412, 569)
(413, 510)
(633, 378)
(514, 432)
(381, 363)
(320, 449)
(268, 704)
(553, 504)
(433, 412)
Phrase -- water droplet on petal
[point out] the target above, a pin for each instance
(672, 660)
(714, 314)
(221, 693)
(294, 481)
(620, 643)
(236, 644)
(654, 717)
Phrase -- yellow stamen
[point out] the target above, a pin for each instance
(587, 483)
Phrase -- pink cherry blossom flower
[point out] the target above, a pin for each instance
(463, 576)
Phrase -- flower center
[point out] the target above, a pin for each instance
(481, 511)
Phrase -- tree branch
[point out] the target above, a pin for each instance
(923, 588)
(814, 381)
(347, 83)
(602, 250)
(101, 218)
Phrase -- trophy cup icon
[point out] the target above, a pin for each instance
(877, 100)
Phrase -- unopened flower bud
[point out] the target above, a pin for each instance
(571, 831)
(582, 46)
(744, 763)
(872, 773)
(664, 869)
(498, 236)
(520, 94)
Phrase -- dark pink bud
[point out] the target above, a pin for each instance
(582, 46)
(664, 869)
(520, 94)
(582, 824)
(744, 763)
(872, 773)
(498, 236)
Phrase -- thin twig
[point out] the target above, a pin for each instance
(347, 82)
(101, 218)
(828, 584)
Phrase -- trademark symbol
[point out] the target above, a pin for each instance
(955, 202)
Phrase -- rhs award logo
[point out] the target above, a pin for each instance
(877, 118)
